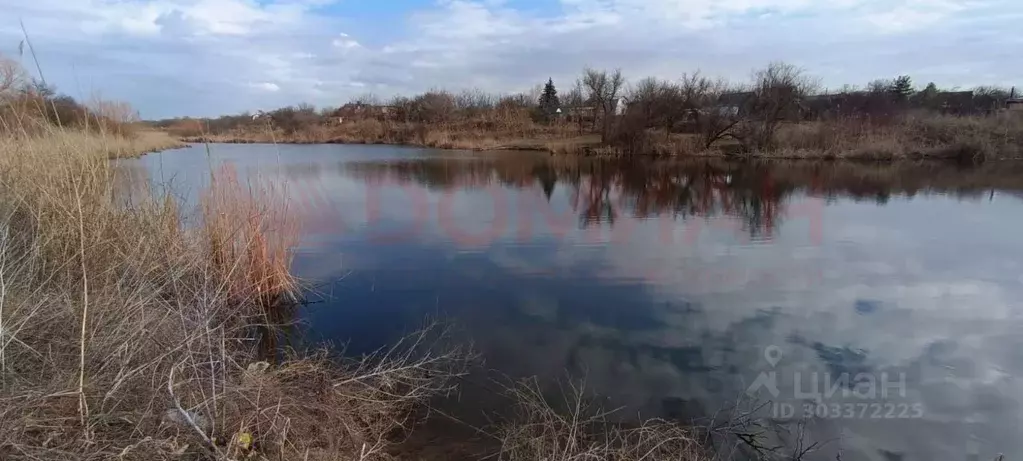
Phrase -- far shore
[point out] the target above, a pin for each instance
(535, 144)
(934, 138)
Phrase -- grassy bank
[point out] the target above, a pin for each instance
(464, 136)
(128, 335)
(140, 143)
(920, 136)
(111, 146)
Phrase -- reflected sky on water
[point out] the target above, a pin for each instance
(663, 283)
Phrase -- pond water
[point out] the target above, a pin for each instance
(884, 301)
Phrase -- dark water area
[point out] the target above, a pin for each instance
(881, 302)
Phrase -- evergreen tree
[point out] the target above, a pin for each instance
(549, 103)
(901, 88)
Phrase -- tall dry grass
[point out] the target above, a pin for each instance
(913, 136)
(468, 135)
(139, 330)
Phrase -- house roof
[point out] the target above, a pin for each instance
(353, 108)
(735, 99)
(960, 99)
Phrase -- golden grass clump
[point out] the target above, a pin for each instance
(574, 429)
(249, 237)
(132, 329)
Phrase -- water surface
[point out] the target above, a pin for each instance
(673, 287)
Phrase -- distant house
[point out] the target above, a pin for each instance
(620, 105)
(1014, 103)
(579, 113)
(733, 104)
(361, 111)
(822, 105)
(955, 102)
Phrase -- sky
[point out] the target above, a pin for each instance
(210, 57)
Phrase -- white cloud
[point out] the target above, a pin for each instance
(266, 86)
(913, 15)
(200, 53)
(344, 41)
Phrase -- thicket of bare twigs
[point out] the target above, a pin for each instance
(133, 329)
(572, 428)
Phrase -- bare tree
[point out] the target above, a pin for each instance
(603, 89)
(12, 77)
(645, 96)
(403, 108)
(327, 111)
(696, 91)
(876, 102)
(574, 97)
(368, 99)
(696, 96)
(987, 98)
(879, 86)
(778, 91)
(658, 103)
(722, 111)
(645, 110)
(474, 102)
(433, 107)
(534, 93)
(573, 101)
(114, 111)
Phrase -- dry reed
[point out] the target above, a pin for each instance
(130, 329)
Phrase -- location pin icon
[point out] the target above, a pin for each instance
(772, 354)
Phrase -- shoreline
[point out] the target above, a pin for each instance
(142, 143)
(588, 148)
(963, 139)
(534, 145)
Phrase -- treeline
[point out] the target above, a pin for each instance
(435, 106)
(28, 105)
(749, 116)
(692, 113)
